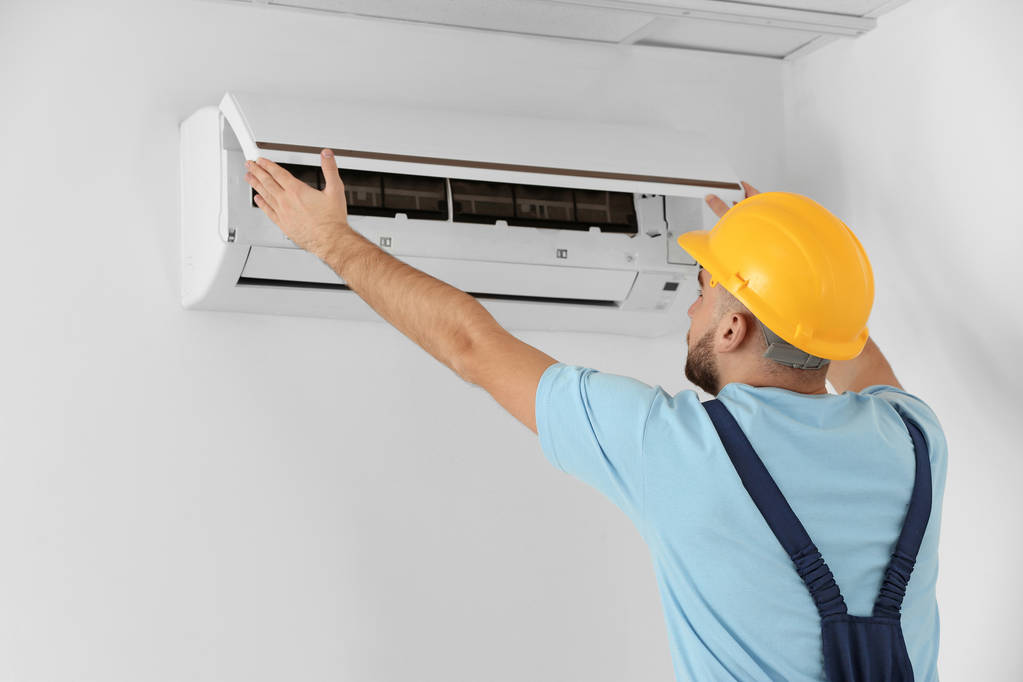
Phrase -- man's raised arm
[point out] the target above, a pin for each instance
(867, 369)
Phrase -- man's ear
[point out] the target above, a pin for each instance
(732, 335)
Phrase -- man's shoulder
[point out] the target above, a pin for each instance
(904, 402)
(914, 408)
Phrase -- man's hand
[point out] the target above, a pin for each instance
(309, 217)
(719, 207)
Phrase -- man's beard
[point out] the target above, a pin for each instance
(701, 367)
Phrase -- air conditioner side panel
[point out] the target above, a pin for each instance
(209, 265)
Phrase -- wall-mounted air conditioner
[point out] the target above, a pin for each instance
(550, 224)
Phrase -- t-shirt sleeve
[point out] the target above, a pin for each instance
(591, 425)
(923, 416)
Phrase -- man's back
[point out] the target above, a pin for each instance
(733, 602)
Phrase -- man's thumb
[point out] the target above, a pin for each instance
(330, 173)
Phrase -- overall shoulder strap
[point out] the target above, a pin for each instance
(896, 577)
(777, 512)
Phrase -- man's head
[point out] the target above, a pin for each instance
(730, 345)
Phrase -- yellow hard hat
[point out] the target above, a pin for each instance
(797, 268)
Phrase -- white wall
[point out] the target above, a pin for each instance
(912, 134)
(211, 496)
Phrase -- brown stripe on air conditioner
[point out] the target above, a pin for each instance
(500, 166)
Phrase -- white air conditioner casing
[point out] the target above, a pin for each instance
(529, 277)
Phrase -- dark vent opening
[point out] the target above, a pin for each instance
(426, 198)
(538, 206)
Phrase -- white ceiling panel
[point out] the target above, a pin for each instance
(726, 37)
(855, 8)
(507, 16)
(778, 29)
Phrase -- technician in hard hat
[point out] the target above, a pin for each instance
(794, 532)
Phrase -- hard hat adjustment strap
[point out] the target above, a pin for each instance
(784, 353)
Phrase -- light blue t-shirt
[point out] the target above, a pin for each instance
(733, 603)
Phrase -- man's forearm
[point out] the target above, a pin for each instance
(867, 369)
(436, 316)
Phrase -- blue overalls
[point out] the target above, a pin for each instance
(856, 648)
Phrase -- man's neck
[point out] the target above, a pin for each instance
(762, 381)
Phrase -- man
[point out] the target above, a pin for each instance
(847, 464)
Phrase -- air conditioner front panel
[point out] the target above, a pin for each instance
(477, 146)
(527, 280)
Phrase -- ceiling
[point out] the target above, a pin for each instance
(776, 29)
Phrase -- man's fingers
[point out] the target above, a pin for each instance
(283, 178)
(719, 207)
(750, 189)
(331, 177)
(258, 186)
(262, 203)
(269, 187)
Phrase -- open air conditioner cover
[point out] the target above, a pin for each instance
(551, 224)
(464, 143)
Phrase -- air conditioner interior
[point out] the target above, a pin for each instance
(472, 201)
